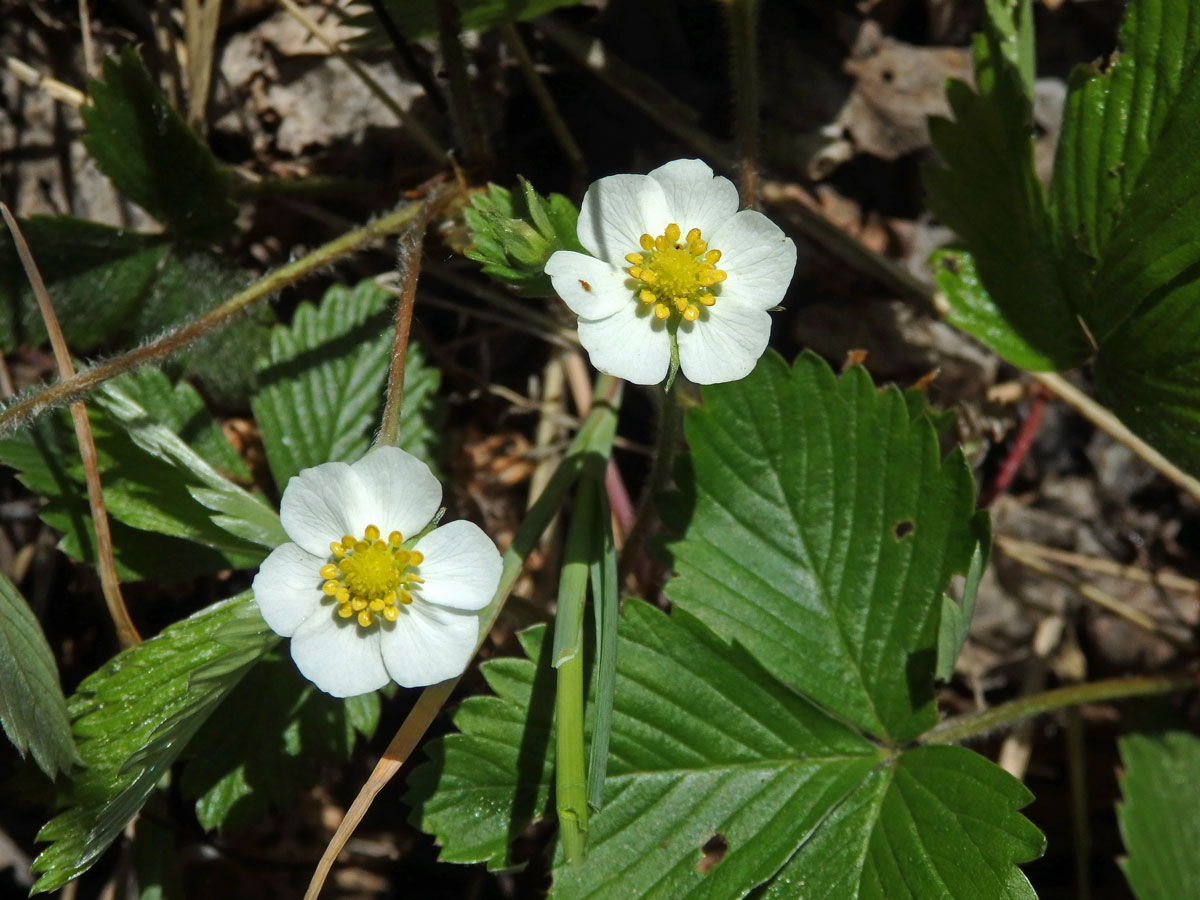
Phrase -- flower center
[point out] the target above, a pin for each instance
(676, 275)
(370, 576)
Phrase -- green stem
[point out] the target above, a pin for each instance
(743, 36)
(466, 115)
(660, 472)
(965, 727)
(570, 785)
(175, 340)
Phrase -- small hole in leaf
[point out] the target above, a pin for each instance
(903, 529)
(888, 76)
(713, 850)
(950, 264)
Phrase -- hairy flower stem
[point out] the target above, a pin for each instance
(965, 727)
(180, 337)
(743, 37)
(660, 471)
(409, 263)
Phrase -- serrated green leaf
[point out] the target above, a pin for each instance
(719, 776)
(940, 822)
(162, 497)
(1160, 814)
(323, 384)
(236, 774)
(956, 615)
(986, 189)
(134, 716)
(824, 531)
(143, 145)
(33, 710)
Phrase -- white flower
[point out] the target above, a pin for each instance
(362, 604)
(655, 242)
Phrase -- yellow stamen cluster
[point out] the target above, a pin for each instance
(370, 576)
(676, 275)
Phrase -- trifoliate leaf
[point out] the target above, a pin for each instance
(514, 235)
(237, 774)
(134, 716)
(719, 777)
(1159, 815)
(142, 143)
(1109, 269)
(823, 532)
(322, 386)
(33, 711)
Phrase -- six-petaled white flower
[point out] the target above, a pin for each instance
(672, 253)
(362, 602)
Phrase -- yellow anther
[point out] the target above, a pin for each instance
(414, 579)
(343, 595)
(329, 570)
(634, 259)
(693, 235)
(347, 542)
(713, 256)
(661, 243)
(365, 618)
(646, 296)
(371, 533)
(391, 613)
(635, 272)
(403, 557)
(646, 242)
(707, 299)
(360, 546)
(376, 605)
(358, 603)
(390, 599)
(415, 557)
(692, 313)
(672, 233)
(379, 544)
(329, 588)
(681, 303)
(403, 597)
(710, 277)
(395, 539)
(345, 611)
(336, 549)
(697, 248)
(647, 275)
(661, 311)
(677, 270)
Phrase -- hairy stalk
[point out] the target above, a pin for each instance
(971, 725)
(410, 269)
(110, 585)
(404, 50)
(177, 338)
(468, 119)
(743, 45)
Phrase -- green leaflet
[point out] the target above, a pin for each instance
(323, 384)
(133, 717)
(33, 711)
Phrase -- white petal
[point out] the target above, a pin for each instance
(695, 197)
(428, 644)
(320, 505)
(287, 588)
(402, 494)
(725, 344)
(591, 287)
(461, 567)
(758, 258)
(338, 656)
(615, 213)
(630, 344)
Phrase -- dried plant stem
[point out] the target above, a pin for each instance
(178, 338)
(1111, 425)
(110, 585)
(1166, 580)
(411, 243)
(89, 45)
(422, 137)
(58, 90)
(975, 724)
(200, 20)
